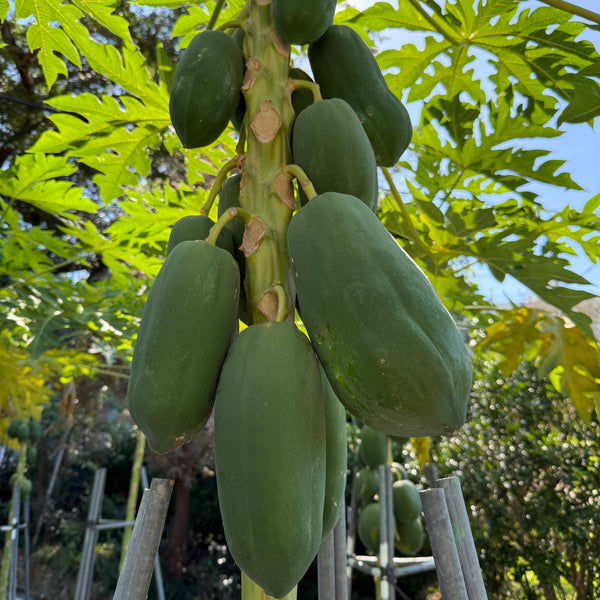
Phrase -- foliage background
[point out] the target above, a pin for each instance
(92, 177)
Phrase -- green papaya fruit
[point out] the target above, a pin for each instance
(206, 88)
(270, 454)
(31, 455)
(399, 471)
(186, 328)
(373, 449)
(391, 351)
(13, 428)
(406, 500)
(367, 484)
(367, 527)
(35, 430)
(302, 21)
(332, 148)
(344, 67)
(23, 432)
(409, 537)
(197, 227)
(228, 197)
(336, 454)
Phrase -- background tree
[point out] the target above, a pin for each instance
(529, 472)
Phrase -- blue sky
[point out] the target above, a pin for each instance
(579, 146)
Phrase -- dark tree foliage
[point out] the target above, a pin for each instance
(529, 473)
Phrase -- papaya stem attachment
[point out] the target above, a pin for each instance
(252, 591)
(282, 310)
(302, 178)
(235, 24)
(231, 213)
(404, 212)
(215, 14)
(217, 186)
(298, 84)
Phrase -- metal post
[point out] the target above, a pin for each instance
(26, 518)
(340, 553)
(443, 548)
(351, 530)
(14, 552)
(88, 555)
(325, 568)
(135, 576)
(386, 553)
(463, 537)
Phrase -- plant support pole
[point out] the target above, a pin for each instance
(443, 548)
(136, 574)
(467, 553)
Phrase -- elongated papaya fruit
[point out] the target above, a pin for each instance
(331, 146)
(344, 67)
(206, 88)
(186, 328)
(270, 454)
(302, 21)
(391, 351)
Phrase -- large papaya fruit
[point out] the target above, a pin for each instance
(331, 146)
(187, 325)
(302, 21)
(344, 67)
(206, 88)
(270, 454)
(336, 456)
(391, 351)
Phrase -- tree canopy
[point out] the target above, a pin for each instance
(92, 175)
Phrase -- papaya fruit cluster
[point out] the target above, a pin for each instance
(409, 535)
(380, 343)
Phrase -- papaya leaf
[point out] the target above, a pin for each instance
(4, 6)
(102, 12)
(584, 102)
(33, 179)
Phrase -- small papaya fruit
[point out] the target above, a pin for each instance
(344, 67)
(206, 88)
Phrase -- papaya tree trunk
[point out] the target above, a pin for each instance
(178, 542)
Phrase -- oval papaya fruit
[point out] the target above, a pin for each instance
(373, 449)
(367, 484)
(186, 328)
(206, 88)
(391, 351)
(332, 148)
(344, 67)
(367, 527)
(409, 537)
(406, 500)
(302, 21)
(270, 454)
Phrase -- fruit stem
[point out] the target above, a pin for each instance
(215, 14)
(252, 591)
(236, 24)
(282, 310)
(231, 213)
(308, 85)
(218, 183)
(302, 178)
